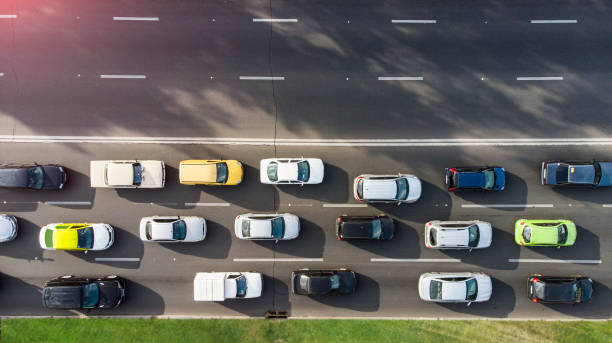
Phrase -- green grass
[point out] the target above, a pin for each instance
(307, 331)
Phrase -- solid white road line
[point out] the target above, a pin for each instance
(117, 259)
(212, 204)
(530, 260)
(400, 78)
(606, 205)
(136, 18)
(278, 260)
(539, 78)
(273, 20)
(345, 205)
(80, 203)
(562, 21)
(506, 205)
(266, 78)
(423, 260)
(1, 74)
(8, 16)
(413, 21)
(123, 76)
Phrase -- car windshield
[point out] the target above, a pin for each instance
(527, 234)
(577, 290)
(246, 228)
(137, 174)
(562, 173)
(489, 179)
(472, 289)
(433, 233)
(36, 178)
(272, 168)
(562, 230)
(335, 281)
(90, 295)
(85, 238)
(179, 230)
(241, 286)
(435, 290)
(402, 188)
(474, 235)
(303, 171)
(278, 227)
(376, 228)
(221, 172)
(597, 173)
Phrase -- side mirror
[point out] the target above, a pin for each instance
(468, 304)
(399, 203)
(558, 247)
(301, 184)
(470, 250)
(85, 251)
(276, 241)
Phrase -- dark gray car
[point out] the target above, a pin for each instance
(37, 177)
(586, 174)
(323, 282)
(69, 292)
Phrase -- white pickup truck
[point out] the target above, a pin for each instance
(229, 285)
(127, 174)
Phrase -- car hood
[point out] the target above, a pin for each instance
(486, 235)
(196, 229)
(13, 177)
(551, 173)
(103, 237)
(7, 229)
(606, 174)
(62, 297)
(254, 285)
(110, 294)
(316, 170)
(292, 226)
(153, 175)
(500, 179)
(54, 177)
(582, 174)
(485, 288)
(414, 188)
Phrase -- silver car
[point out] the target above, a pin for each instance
(462, 287)
(267, 226)
(398, 188)
(8, 228)
(172, 229)
(471, 234)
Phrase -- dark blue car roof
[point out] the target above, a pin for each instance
(470, 179)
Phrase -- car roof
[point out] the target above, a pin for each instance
(260, 228)
(581, 173)
(545, 234)
(357, 228)
(63, 296)
(13, 177)
(120, 174)
(319, 284)
(454, 290)
(556, 291)
(198, 171)
(65, 238)
(287, 171)
(379, 189)
(452, 237)
(470, 179)
(161, 231)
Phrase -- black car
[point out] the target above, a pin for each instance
(69, 292)
(586, 174)
(559, 289)
(364, 227)
(323, 282)
(475, 178)
(47, 177)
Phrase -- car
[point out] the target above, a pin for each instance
(545, 232)
(586, 174)
(219, 286)
(172, 229)
(466, 287)
(36, 177)
(399, 188)
(559, 289)
(83, 293)
(291, 171)
(378, 227)
(210, 172)
(475, 178)
(470, 234)
(127, 174)
(323, 282)
(8, 228)
(76, 236)
(277, 227)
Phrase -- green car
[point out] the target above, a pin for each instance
(545, 232)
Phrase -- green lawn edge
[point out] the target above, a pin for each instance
(67, 330)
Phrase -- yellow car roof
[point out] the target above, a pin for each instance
(65, 236)
(198, 171)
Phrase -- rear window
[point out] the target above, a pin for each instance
(562, 173)
(527, 234)
(402, 189)
(474, 235)
(137, 174)
(221, 172)
(472, 289)
(360, 188)
(433, 234)
(562, 229)
(303, 171)
(489, 179)
(272, 171)
(435, 290)
(246, 228)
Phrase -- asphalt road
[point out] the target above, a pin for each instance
(327, 63)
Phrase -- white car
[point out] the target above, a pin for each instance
(8, 228)
(267, 226)
(398, 188)
(291, 171)
(455, 287)
(76, 236)
(171, 229)
(227, 285)
(472, 234)
(127, 174)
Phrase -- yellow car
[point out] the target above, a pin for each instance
(210, 172)
(76, 236)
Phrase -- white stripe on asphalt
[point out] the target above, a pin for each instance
(81, 203)
(562, 21)
(413, 21)
(400, 78)
(213, 204)
(297, 205)
(278, 260)
(117, 259)
(273, 20)
(506, 205)
(539, 78)
(425, 260)
(8, 16)
(266, 78)
(606, 205)
(345, 205)
(529, 260)
(136, 18)
(1, 74)
(123, 76)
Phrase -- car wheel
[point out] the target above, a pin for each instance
(112, 277)
(66, 276)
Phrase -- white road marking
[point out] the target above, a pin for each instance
(273, 20)
(266, 78)
(117, 259)
(278, 260)
(212, 204)
(529, 260)
(424, 260)
(506, 205)
(80, 203)
(345, 205)
(539, 78)
(297, 205)
(400, 78)
(136, 18)
(123, 76)
(606, 205)
(413, 21)
(561, 21)
(1, 74)
(8, 16)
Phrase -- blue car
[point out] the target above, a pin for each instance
(589, 174)
(475, 178)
